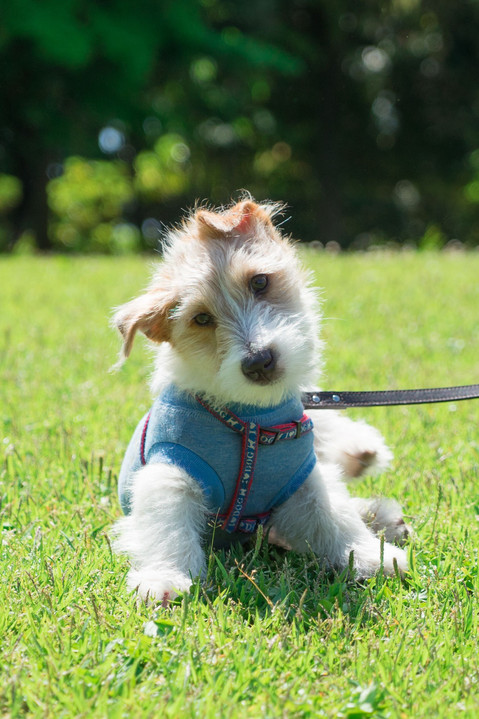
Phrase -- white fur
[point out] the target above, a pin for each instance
(163, 533)
(207, 268)
(353, 445)
(293, 336)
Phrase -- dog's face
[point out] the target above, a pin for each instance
(232, 308)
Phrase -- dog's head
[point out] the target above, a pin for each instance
(231, 307)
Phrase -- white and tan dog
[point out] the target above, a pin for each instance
(236, 322)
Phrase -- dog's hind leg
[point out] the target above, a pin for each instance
(384, 516)
(162, 534)
(321, 517)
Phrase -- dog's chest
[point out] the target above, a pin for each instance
(180, 431)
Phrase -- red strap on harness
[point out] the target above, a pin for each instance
(143, 440)
(253, 435)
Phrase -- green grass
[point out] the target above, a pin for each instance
(270, 635)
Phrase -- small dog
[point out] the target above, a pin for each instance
(227, 446)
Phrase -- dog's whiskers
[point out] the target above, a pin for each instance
(253, 346)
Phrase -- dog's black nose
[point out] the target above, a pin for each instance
(259, 366)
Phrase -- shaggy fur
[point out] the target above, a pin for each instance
(208, 313)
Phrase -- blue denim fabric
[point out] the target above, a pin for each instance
(182, 432)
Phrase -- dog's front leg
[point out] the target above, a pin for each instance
(355, 446)
(321, 517)
(162, 534)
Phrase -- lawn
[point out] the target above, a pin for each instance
(270, 634)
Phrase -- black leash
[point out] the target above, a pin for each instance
(386, 398)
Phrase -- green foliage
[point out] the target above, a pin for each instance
(270, 634)
(10, 192)
(164, 172)
(88, 200)
(433, 239)
(471, 190)
(363, 117)
(10, 197)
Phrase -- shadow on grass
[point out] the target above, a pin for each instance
(263, 579)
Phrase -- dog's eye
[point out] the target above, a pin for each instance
(259, 283)
(203, 319)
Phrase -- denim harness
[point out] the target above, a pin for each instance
(248, 460)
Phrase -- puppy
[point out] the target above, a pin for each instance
(227, 446)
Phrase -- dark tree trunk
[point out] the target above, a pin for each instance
(311, 108)
(328, 92)
(32, 214)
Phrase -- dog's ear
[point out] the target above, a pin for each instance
(242, 217)
(150, 313)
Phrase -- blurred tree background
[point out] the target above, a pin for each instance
(114, 116)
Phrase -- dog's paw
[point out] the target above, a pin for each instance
(357, 462)
(384, 516)
(394, 557)
(157, 586)
(398, 532)
(363, 452)
(355, 446)
(367, 561)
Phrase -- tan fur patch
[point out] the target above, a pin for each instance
(208, 268)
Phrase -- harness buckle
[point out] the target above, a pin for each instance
(274, 432)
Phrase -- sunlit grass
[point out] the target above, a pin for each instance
(270, 634)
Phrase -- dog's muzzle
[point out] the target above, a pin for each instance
(260, 367)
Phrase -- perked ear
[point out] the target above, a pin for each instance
(242, 217)
(149, 314)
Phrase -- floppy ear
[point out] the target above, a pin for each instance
(149, 314)
(240, 218)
